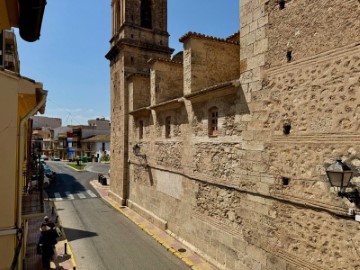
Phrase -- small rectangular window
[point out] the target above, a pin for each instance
(167, 127)
(213, 121)
(141, 130)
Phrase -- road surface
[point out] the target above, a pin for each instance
(100, 237)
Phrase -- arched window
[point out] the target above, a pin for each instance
(213, 121)
(146, 14)
(141, 130)
(167, 127)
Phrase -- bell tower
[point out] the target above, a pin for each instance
(139, 33)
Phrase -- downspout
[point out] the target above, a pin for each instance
(21, 157)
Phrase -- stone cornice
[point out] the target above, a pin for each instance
(134, 26)
(133, 43)
(145, 111)
(168, 105)
(218, 90)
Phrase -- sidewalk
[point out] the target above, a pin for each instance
(193, 260)
(61, 261)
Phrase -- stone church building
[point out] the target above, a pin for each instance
(226, 144)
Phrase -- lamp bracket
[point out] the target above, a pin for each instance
(352, 196)
(136, 150)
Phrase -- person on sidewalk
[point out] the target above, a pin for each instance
(47, 222)
(47, 242)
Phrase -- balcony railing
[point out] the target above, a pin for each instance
(32, 204)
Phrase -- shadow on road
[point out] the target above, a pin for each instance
(74, 234)
(65, 182)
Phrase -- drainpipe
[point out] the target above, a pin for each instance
(21, 157)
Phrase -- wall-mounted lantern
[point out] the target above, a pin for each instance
(339, 175)
(136, 151)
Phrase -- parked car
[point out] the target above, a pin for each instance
(34, 184)
(55, 158)
(47, 181)
(44, 157)
(41, 161)
(50, 174)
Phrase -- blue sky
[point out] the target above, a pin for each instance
(69, 57)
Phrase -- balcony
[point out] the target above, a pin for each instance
(32, 204)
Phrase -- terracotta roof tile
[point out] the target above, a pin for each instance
(203, 36)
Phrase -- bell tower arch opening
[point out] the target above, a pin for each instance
(146, 13)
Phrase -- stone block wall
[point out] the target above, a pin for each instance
(315, 96)
(117, 129)
(308, 28)
(227, 124)
(167, 81)
(208, 62)
(139, 92)
(136, 60)
(159, 14)
(127, 28)
(144, 35)
(256, 195)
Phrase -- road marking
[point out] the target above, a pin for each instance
(92, 194)
(69, 195)
(57, 196)
(81, 196)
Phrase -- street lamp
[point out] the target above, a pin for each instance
(136, 151)
(339, 175)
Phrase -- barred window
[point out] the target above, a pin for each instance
(213, 121)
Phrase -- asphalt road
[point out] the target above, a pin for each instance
(98, 168)
(101, 237)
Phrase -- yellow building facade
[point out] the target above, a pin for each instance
(21, 98)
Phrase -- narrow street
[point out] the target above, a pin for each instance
(100, 236)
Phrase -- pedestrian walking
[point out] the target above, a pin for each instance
(47, 242)
(47, 222)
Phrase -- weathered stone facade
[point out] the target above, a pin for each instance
(227, 149)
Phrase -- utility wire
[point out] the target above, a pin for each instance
(69, 114)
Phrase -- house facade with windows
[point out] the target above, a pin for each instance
(43, 138)
(226, 145)
(69, 140)
(96, 147)
(21, 98)
(62, 142)
(9, 58)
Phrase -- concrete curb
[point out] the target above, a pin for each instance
(69, 250)
(67, 165)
